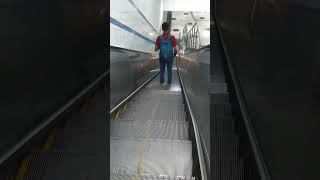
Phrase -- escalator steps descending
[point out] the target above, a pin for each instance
(160, 157)
(80, 140)
(161, 129)
(55, 165)
(131, 176)
(150, 137)
(78, 151)
(162, 114)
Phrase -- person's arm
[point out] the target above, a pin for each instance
(175, 50)
(173, 41)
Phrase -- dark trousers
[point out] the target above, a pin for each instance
(163, 65)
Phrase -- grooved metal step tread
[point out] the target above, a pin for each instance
(153, 103)
(161, 106)
(229, 170)
(90, 121)
(160, 92)
(225, 146)
(66, 165)
(223, 125)
(131, 175)
(159, 115)
(222, 110)
(173, 158)
(219, 98)
(79, 140)
(159, 129)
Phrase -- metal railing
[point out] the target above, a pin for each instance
(191, 39)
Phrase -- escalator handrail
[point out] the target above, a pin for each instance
(114, 109)
(262, 167)
(204, 175)
(204, 47)
(50, 120)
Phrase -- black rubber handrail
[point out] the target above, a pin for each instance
(119, 48)
(132, 94)
(204, 47)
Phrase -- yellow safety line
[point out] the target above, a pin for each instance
(117, 115)
(48, 143)
(125, 106)
(84, 106)
(23, 167)
(146, 137)
(67, 123)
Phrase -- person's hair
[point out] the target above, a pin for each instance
(165, 26)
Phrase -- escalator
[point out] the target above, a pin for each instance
(235, 153)
(150, 136)
(74, 150)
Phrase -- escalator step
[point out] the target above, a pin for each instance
(90, 121)
(153, 103)
(223, 125)
(65, 165)
(163, 98)
(78, 140)
(130, 176)
(160, 129)
(160, 92)
(219, 98)
(225, 146)
(218, 78)
(222, 110)
(228, 170)
(161, 114)
(218, 88)
(172, 158)
(161, 107)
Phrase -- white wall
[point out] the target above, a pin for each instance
(126, 13)
(187, 5)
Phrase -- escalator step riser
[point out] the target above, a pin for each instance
(218, 88)
(222, 110)
(172, 158)
(225, 146)
(160, 115)
(219, 98)
(72, 140)
(223, 125)
(149, 107)
(62, 165)
(175, 130)
(233, 169)
(127, 176)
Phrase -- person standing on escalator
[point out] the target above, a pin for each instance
(167, 45)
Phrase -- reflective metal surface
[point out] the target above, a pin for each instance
(129, 70)
(194, 70)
